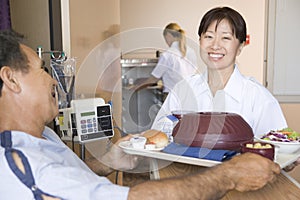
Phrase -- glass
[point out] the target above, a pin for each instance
(63, 71)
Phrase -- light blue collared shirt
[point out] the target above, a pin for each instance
(57, 171)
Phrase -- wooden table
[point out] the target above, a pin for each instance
(284, 188)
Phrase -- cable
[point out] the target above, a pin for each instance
(122, 132)
(117, 176)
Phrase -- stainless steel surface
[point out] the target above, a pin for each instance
(139, 108)
(138, 62)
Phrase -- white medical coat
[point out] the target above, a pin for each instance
(242, 95)
(172, 67)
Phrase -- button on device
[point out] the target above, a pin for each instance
(103, 110)
(84, 137)
(83, 131)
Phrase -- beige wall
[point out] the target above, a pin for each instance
(291, 112)
(31, 18)
(88, 22)
(157, 13)
(91, 22)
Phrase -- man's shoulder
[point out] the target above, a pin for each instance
(50, 134)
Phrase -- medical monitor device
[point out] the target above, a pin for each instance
(90, 119)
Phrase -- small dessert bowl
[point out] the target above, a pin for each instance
(264, 149)
(138, 142)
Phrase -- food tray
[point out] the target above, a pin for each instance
(282, 159)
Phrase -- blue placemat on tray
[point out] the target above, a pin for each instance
(198, 152)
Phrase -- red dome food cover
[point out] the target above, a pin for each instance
(213, 130)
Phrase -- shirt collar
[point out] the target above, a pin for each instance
(234, 86)
(175, 44)
(174, 49)
(202, 82)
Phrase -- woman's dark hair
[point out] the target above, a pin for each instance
(11, 54)
(236, 21)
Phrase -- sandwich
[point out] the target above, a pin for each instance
(160, 139)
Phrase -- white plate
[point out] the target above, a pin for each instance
(284, 147)
(128, 146)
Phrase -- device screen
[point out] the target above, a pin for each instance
(86, 114)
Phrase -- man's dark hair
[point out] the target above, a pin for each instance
(11, 54)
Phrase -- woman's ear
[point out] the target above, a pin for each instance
(9, 79)
(240, 48)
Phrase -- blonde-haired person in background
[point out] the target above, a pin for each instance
(176, 63)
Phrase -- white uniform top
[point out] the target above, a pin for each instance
(241, 95)
(57, 171)
(172, 67)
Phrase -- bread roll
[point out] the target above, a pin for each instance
(160, 139)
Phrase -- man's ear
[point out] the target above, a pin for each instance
(9, 79)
